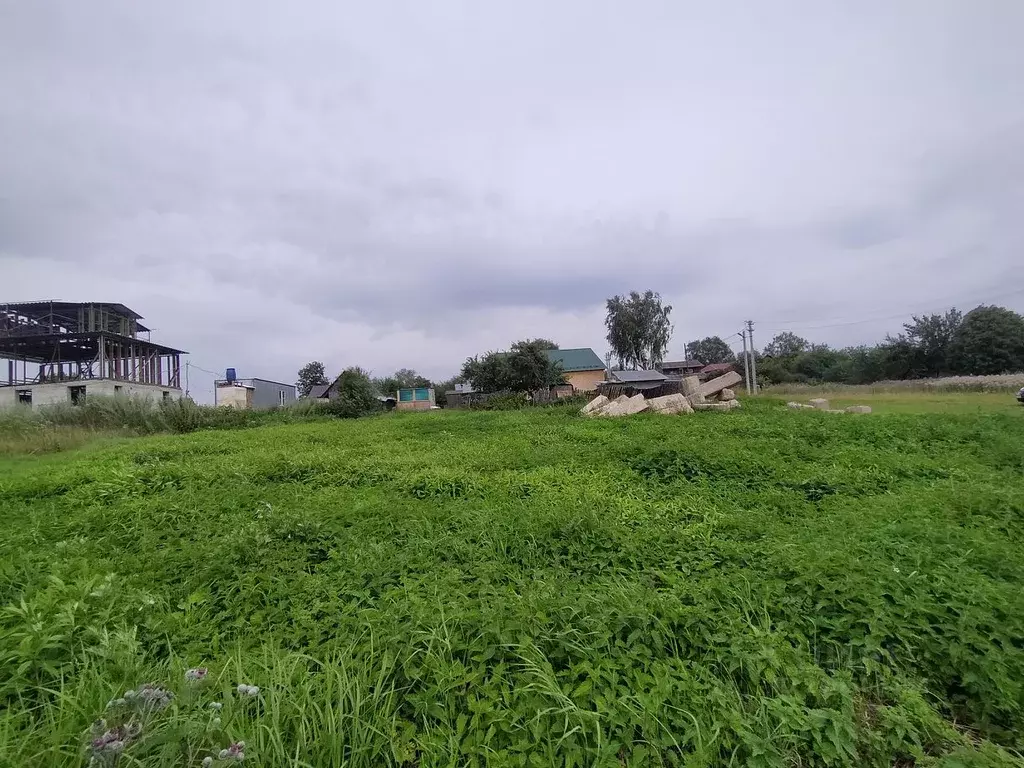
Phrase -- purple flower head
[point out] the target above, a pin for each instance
(196, 674)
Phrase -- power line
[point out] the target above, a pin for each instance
(799, 324)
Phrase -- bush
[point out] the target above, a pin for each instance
(356, 396)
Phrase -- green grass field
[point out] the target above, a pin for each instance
(754, 588)
(980, 403)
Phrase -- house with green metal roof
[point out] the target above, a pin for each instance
(582, 368)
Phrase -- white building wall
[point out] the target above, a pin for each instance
(234, 396)
(53, 393)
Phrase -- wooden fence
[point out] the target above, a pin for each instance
(612, 390)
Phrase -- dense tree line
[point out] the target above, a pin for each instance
(986, 340)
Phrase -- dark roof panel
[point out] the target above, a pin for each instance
(629, 377)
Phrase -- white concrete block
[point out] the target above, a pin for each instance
(596, 404)
(820, 403)
(715, 386)
(859, 409)
(670, 405)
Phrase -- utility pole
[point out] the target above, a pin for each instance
(747, 363)
(753, 361)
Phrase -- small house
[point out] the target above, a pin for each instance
(639, 380)
(252, 394)
(416, 399)
(581, 367)
(318, 392)
(680, 368)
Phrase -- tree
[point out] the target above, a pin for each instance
(310, 375)
(355, 395)
(931, 337)
(523, 368)
(638, 329)
(989, 340)
(403, 378)
(712, 349)
(786, 344)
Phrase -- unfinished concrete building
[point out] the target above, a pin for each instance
(60, 352)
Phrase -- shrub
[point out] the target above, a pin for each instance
(355, 397)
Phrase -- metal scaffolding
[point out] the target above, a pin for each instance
(54, 341)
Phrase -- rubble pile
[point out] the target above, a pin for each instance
(714, 395)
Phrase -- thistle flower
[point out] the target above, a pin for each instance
(235, 752)
(216, 705)
(248, 690)
(151, 697)
(196, 674)
(216, 722)
(207, 762)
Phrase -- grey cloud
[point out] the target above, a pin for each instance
(463, 170)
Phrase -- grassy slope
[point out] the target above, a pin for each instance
(754, 588)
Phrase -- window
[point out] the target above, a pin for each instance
(77, 395)
(118, 389)
(280, 396)
(23, 396)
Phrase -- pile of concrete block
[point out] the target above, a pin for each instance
(821, 404)
(714, 395)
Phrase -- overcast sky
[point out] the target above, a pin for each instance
(406, 184)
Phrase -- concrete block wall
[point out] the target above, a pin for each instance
(60, 392)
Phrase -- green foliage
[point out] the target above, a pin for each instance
(931, 338)
(985, 341)
(524, 368)
(712, 349)
(990, 340)
(54, 428)
(355, 395)
(638, 329)
(310, 375)
(762, 588)
(403, 378)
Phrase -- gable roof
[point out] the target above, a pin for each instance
(318, 390)
(629, 377)
(582, 359)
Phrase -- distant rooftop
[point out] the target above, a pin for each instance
(629, 377)
(718, 368)
(696, 364)
(581, 359)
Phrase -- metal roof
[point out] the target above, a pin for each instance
(581, 359)
(682, 364)
(629, 377)
(38, 310)
(318, 390)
